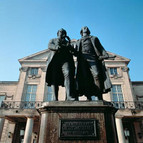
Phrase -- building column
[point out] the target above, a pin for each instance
(43, 128)
(28, 130)
(120, 131)
(1, 125)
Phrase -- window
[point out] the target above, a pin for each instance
(113, 71)
(30, 96)
(33, 71)
(2, 97)
(117, 96)
(94, 98)
(49, 96)
(31, 93)
(22, 131)
(34, 140)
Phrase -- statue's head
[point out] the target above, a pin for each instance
(84, 29)
(62, 33)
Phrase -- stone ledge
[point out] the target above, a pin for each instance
(76, 106)
(18, 112)
(72, 103)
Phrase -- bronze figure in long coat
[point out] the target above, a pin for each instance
(60, 65)
(91, 75)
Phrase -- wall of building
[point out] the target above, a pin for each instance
(8, 89)
(138, 90)
(16, 91)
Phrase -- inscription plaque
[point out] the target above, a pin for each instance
(78, 129)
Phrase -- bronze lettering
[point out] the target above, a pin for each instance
(78, 128)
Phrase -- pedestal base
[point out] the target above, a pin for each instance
(74, 121)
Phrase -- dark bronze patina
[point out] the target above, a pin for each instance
(92, 77)
(60, 66)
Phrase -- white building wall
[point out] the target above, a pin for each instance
(18, 90)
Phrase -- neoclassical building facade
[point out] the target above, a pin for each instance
(19, 100)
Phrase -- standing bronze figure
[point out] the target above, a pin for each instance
(60, 65)
(91, 75)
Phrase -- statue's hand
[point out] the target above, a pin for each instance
(58, 43)
(103, 57)
(100, 58)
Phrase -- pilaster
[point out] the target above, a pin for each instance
(127, 85)
(41, 86)
(21, 82)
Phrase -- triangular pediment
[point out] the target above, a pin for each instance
(42, 56)
(118, 57)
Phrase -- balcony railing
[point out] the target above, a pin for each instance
(20, 104)
(128, 105)
(35, 104)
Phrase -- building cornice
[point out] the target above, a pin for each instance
(122, 61)
(33, 61)
(8, 82)
(137, 82)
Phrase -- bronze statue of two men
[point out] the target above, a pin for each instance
(89, 77)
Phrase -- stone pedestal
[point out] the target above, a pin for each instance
(78, 122)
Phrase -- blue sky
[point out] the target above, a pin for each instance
(26, 26)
